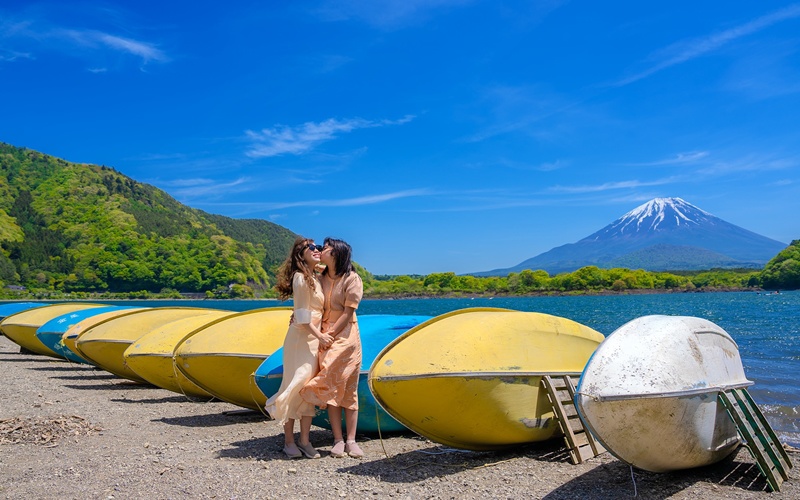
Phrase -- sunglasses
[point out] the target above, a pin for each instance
(313, 247)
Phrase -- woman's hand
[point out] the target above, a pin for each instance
(325, 340)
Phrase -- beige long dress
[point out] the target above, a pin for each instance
(339, 366)
(299, 353)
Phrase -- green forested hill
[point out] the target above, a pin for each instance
(783, 271)
(68, 226)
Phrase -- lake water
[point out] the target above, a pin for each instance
(765, 326)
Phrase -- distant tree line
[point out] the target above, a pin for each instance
(590, 279)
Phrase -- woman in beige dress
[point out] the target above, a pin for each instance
(336, 384)
(304, 338)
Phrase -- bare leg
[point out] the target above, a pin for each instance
(351, 447)
(305, 430)
(288, 432)
(289, 447)
(335, 417)
(351, 421)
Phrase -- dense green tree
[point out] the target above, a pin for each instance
(83, 227)
(783, 271)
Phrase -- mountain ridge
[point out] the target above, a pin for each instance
(72, 226)
(646, 236)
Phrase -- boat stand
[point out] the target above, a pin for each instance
(561, 392)
(759, 438)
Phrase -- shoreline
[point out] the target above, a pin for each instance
(102, 436)
(402, 296)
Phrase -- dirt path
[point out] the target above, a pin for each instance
(70, 431)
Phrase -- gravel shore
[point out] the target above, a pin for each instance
(71, 431)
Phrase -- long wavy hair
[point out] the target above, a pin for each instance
(294, 263)
(342, 255)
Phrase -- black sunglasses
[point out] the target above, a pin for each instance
(313, 247)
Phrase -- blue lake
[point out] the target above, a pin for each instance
(765, 326)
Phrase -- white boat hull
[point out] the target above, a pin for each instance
(649, 393)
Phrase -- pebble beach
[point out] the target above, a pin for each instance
(73, 431)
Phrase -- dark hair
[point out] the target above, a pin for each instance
(294, 263)
(341, 253)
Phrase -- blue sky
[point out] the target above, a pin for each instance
(436, 135)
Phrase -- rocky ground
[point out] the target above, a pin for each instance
(70, 431)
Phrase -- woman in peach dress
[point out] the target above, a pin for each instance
(336, 384)
(303, 341)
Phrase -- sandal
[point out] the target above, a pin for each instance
(352, 449)
(338, 449)
(308, 450)
(291, 451)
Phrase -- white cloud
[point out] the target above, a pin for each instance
(323, 203)
(146, 51)
(607, 186)
(385, 14)
(281, 139)
(678, 159)
(12, 55)
(687, 50)
(40, 34)
(197, 188)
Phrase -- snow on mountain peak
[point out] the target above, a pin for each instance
(657, 212)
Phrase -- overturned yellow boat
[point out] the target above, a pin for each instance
(471, 378)
(222, 356)
(104, 344)
(70, 337)
(151, 356)
(21, 327)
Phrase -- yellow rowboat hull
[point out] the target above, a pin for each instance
(151, 356)
(104, 344)
(471, 378)
(21, 327)
(71, 336)
(222, 357)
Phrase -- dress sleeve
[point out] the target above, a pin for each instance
(302, 299)
(354, 290)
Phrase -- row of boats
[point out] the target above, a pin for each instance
(468, 379)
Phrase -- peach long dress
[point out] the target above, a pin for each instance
(339, 366)
(299, 353)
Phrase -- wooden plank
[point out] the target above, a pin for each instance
(761, 442)
(596, 447)
(744, 397)
(561, 392)
(757, 439)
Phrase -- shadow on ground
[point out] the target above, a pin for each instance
(62, 367)
(166, 399)
(123, 385)
(617, 480)
(86, 376)
(271, 447)
(218, 419)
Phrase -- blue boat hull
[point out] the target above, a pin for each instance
(377, 331)
(7, 310)
(50, 333)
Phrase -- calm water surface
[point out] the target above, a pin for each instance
(765, 326)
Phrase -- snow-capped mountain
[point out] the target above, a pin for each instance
(658, 215)
(662, 234)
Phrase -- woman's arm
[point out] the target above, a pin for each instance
(303, 312)
(342, 321)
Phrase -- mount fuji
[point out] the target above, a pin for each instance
(663, 234)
